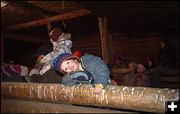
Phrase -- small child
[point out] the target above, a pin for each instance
(61, 44)
(130, 77)
(95, 68)
(13, 72)
(142, 78)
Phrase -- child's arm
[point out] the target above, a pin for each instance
(67, 43)
(102, 76)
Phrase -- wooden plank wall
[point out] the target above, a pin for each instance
(90, 44)
(139, 47)
(133, 47)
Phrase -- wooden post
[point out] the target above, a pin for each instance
(119, 97)
(2, 49)
(104, 39)
(110, 50)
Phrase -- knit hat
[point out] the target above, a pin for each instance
(57, 33)
(10, 70)
(60, 58)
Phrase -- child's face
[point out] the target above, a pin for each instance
(139, 70)
(131, 67)
(162, 44)
(70, 66)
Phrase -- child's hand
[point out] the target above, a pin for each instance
(98, 88)
(51, 41)
(33, 71)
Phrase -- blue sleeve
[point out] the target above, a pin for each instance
(102, 73)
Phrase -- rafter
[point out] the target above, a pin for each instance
(65, 16)
(32, 8)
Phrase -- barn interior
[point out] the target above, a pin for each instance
(108, 29)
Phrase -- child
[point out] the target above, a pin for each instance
(13, 72)
(41, 52)
(142, 78)
(50, 76)
(94, 69)
(61, 44)
(131, 75)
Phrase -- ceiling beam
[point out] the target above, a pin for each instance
(12, 36)
(64, 16)
(32, 8)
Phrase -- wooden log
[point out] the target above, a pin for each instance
(25, 106)
(65, 16)
(119, 97)
(119, 70)
(2, 48)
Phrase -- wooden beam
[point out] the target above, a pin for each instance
(119, 70)
(25, 38)
(104, 39)
(119, 97)
(65, 16)
(11, 106)
(24, 5)
(110, 50)
(2, 49)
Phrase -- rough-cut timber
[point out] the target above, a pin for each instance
(119, 97)
(2, 48)
(65, 16)
(12, 106)
(102, 21)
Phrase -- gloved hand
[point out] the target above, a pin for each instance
(98, 88)
(80, 77)
(83, 77)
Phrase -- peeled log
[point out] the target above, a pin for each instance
(12, 106)
(119, 97)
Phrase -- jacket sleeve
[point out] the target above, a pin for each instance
(98, 69)
(101, 71)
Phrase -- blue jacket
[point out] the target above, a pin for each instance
(96, 66)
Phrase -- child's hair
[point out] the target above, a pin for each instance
(55, 33)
